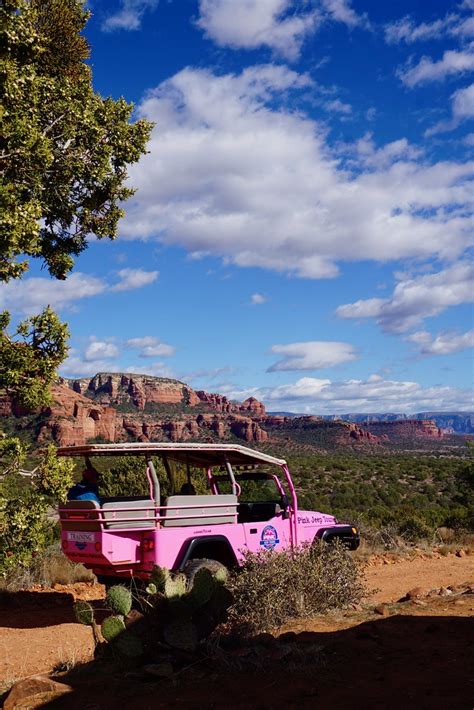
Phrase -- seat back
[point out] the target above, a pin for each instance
(225, 513)
(71, 514)
(114, 513)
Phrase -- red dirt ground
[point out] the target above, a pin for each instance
(418, 656)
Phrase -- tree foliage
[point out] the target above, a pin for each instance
(64, 152)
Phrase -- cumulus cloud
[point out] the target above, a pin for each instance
(100, 350)
(150, 346)
(249, 24)
(229, 173)
(134, 278)
(257, 299)
(442, 344)
(322, 396)
(312, 355)
(427, 70)
(416, 298)
(129, 15)
(28, 296)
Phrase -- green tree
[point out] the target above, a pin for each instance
(64, 152)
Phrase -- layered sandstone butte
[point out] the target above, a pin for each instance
(115, 407)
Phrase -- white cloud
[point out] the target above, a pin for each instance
(453, 62)
(316, 396)
(76, 366)
(442, 344)
(469, 139)
(99, 350)
(155, 369)
(417, 298)
(28, 296)
(134, 278)
(463, 103)
(150, 346)
(341, 11)
(231, 174)
(337, 106)
(372, 157)
(257, 299)
(406, 30)
(312, 355)
(254, 23)
(129, 16)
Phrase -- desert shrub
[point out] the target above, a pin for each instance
(273, 587)
(55, 475)
(25, 531)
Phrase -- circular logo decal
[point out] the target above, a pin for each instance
(269, 537)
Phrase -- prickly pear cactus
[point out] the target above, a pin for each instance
(151, 589)
(112, 627)
(84, 613)
(175, 586)
(119, 599)
(181, 635)
(203, 587)
(221, 575)
(159, 577)
(129, 646)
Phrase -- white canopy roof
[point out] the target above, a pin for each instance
(202, 455)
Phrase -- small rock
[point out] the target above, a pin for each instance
(356, 607)
(159, 670)
(418, 602)
(415, 593)
(34, 692)
(382, 609)
(443, 592)
(461, 553)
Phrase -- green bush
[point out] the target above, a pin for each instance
(273, 587)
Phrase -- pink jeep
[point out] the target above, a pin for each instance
(125, 537)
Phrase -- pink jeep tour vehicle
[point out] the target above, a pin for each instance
(250, 504)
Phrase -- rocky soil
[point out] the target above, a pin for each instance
(409, 644)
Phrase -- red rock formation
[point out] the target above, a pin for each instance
(407, 429)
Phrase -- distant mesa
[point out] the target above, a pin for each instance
(120, 407)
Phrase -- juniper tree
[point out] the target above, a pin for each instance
(64, 152)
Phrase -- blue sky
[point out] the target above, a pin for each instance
(304, 218)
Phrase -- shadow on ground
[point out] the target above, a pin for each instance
(397, 663)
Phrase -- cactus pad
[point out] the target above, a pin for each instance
(175, 586)
(151, 589)
(84, 613)
(221, 575)
(159, 577)
(119, 599)
(112, 627)
(202, 587)
(181, 635)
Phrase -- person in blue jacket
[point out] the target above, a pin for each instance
(87, 488)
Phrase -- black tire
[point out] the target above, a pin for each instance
(192, 567)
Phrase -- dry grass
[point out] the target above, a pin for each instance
(49, 567)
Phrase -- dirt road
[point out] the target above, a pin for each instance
(419, 655)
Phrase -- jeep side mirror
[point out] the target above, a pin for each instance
(285, 504)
